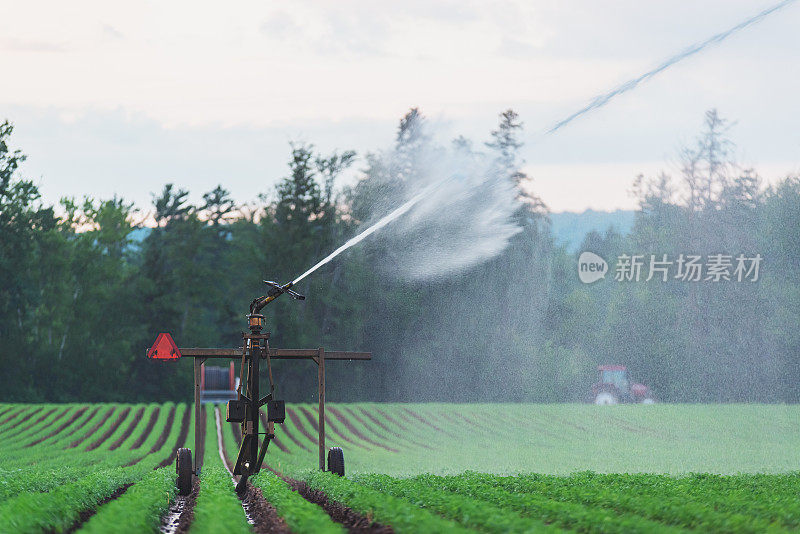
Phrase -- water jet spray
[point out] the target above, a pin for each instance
(595, 103)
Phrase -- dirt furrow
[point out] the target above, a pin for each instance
(408, 415)
(165, 434)
(347, 517)
(85, 515)
(265, 517)
(120, 419)
(353, 430)
(42, 418)
(168, 428)
(311, 418)
(259, 512)
(3, 413)
(32, 428)
(11, 414)
(392, 420)
(299, 425)
(27, 432)
(181, 514)
(94, 429)
(61, 428)
(128, 431)
(147, 429)
(9, 434)
(330, 425)
(383, 427)
(83, 423)
(293, 438)
(179, 518)
(461, 421)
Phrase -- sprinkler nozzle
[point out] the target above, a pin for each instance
(275, 291)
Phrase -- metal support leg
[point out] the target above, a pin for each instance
(321, 381)
(255, 359)
(198, 362)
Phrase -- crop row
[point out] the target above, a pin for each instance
(402, 440)
(46, 484)
(741, 503)
(217, 509)
(403, 516)
(45, 466)
(59, 461)
(301, 516)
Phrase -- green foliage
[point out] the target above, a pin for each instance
(300, 515)
(401, 515)
(217, 508)
(46, 488)
(742, 503)
(557, 439)
(591, 502)
(139, 509)
(58, 509)
(48, 465)
(561, 514)
(427, 493)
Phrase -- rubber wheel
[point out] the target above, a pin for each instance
(336, 461)
(183, 465)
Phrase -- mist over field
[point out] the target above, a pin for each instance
(465, 297)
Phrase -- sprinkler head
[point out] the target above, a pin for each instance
(277, 289)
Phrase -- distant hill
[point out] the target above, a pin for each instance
(569, 228)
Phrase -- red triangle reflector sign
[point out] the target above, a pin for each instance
(164, 348)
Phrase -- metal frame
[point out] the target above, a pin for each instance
(245, 409)
(319, 356)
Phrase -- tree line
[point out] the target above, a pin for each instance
(84, 288)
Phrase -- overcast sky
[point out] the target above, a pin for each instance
(120, 98)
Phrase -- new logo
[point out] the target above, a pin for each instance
(591, 267)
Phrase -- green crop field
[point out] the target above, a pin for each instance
(410, 468)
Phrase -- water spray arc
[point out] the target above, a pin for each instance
(603, 99)
(371, 230)
(595, 103)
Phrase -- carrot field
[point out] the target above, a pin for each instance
(409, 468)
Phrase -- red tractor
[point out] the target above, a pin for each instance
(614, 387)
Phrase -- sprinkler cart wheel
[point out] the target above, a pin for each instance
(183, 466)
(336, 461)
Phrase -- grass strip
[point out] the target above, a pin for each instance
(567, 515)
(300, 515)
(401, 515)
(59, 509)
(139, 509)
(70, 466)
(467, 511)
(739, 503)
(218, 509)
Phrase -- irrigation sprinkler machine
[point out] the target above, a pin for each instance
(215, 384)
